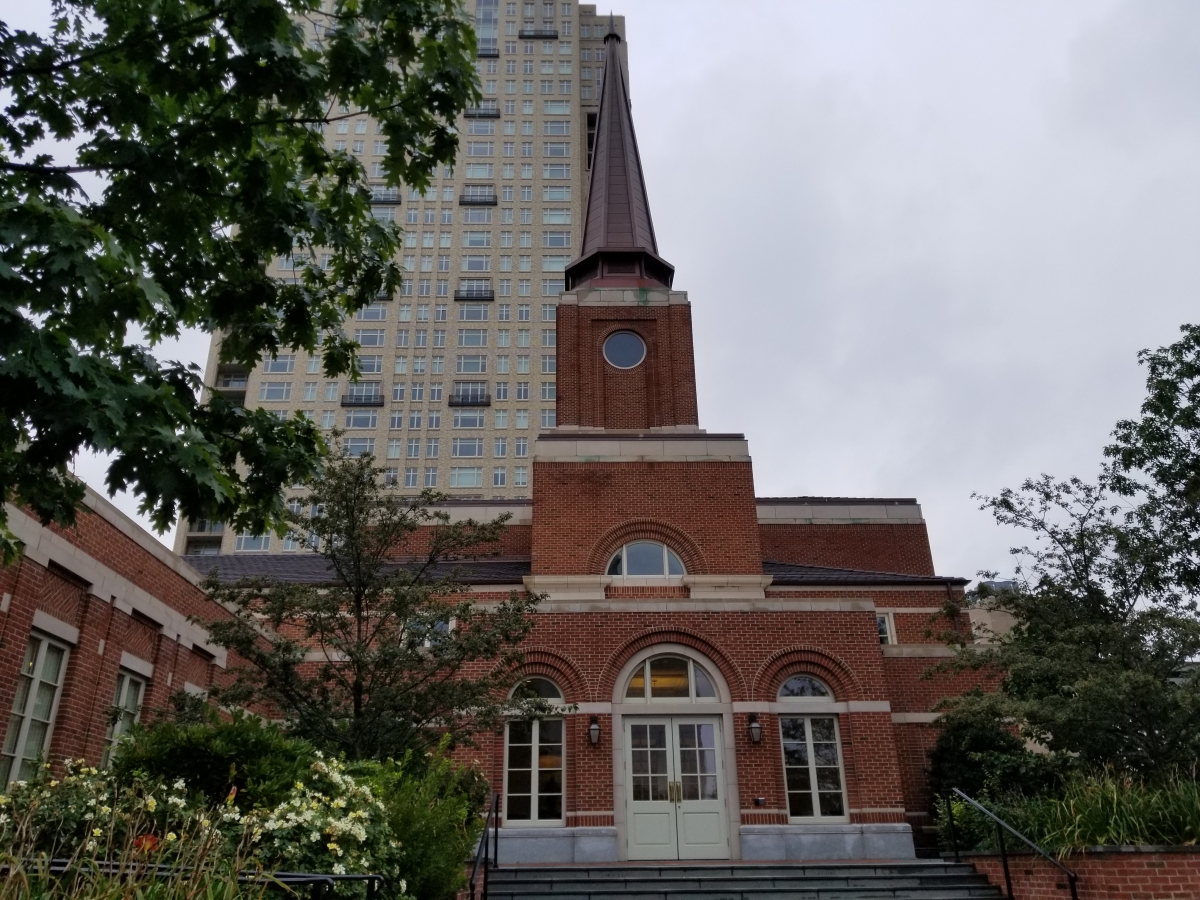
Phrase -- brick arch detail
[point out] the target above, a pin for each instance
(647, 530)
(806, 661)
(617, 659)
(559, 669)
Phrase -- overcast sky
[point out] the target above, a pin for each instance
(923, 241)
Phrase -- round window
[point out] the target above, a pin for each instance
(624, 349)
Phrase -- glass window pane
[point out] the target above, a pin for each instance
(793, 729)
(800, 804)
(519, 781)
(52, 667)
(520, 756)
(614, 567)
(637, 684)
(704, 687)
(832, 805)
(669, 677)
(520, 732)
(822, 729)
(802, 686)
(518, 808)
(43, 701)
(644, 558)
(551, 731)
(550, 782)
(674, 566)
(828, 780)
(550, 806)
(541, 687)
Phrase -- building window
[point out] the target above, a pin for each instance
(642, 559)
(275, 391)
(127, 707)
(886, 627)
(812, 767)
(533, 776)
(549, 418)
(671, 678)
(466, 476)
(252, 543)
(520, 476)
(33, 710)
(358, 447)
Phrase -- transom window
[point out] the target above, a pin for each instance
(645, 558)
(538, 687)
(803, 687)
(670, 678)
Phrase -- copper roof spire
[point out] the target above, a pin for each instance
(619, 249)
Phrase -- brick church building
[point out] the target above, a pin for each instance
(743, 673)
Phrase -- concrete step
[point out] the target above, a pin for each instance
(891, 880)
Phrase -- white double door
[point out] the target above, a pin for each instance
(675, 788)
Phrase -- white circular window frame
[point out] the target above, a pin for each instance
(646, 580)
(610, 336)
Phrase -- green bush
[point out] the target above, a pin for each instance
(258, 759)
(1087, 811)
(433, 811)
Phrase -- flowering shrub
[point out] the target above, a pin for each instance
(329, 823)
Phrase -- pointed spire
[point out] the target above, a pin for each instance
(619, 249)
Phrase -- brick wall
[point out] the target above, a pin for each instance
(1127, 874)
(104, 633)
(659, 392)
(875, 548)
(705, 511)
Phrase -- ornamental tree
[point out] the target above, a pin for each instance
(388, 653)
(202, 123)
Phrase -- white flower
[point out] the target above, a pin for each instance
(339, 869)
(180, 785)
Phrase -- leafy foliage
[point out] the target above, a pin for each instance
(391, 654)
(257, 759)
(202, 121)
(1098, 667)
(1102, 809)
(433, 812)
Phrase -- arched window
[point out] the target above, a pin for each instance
(533, 761)
(645, 559)
(670, 678)
(537, 687)
(812, 753)
(804, 686)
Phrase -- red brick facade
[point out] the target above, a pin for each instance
(1126, 874)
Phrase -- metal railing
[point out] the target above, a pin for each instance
(538, 33)
(475, 294)
(477, 200)
(362, 400)
(482, 112)
(492, 860)
(320, 884)
(470, 400)
(1001, 827)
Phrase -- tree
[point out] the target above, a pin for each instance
(1097, 667)
(202, 121)
(390, 655)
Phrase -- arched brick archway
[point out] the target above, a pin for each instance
(616, 661)
(806, 660)
(559, 669)
(647, 530)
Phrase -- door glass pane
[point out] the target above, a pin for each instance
(698, 761)
(518, 804)
(52, 667)
(669, 677)
(648, 752)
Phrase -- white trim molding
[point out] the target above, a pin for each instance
(47, 623)
(136, 664)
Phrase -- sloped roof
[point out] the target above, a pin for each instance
(311, 568)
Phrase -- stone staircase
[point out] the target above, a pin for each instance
(880, 880)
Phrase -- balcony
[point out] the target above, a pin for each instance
(470, 400)
(547, 33)
(232, 383)
(488, 52)
(203, 526)
(482, 112)
(364, 400)
(475, 294)
(385, 195)
(477, 200)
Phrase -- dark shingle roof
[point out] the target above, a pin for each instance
(310, 568)
(784, 574)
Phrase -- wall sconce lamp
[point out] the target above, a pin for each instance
(755, 728)
(594, 730)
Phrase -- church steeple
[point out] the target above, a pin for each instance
(619, 249)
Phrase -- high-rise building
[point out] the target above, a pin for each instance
(459, 369)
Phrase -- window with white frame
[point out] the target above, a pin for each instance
(533, 772)
(126, 709)
(886, 627)
(645, 559)
(34, 706)
(671, 678)
(812, 755)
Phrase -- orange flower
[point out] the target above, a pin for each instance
(145, 843)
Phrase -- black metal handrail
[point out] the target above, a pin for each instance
(492, 860)
(320, 883)
(1001, 827)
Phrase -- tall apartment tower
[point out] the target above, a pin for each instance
(460, 369)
